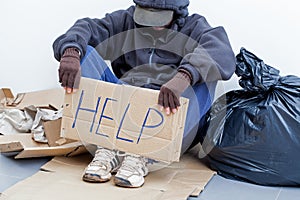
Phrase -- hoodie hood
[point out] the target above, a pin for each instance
(180, 8)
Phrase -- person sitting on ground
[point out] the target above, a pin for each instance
(153, 44)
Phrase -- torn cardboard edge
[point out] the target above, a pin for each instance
(125, 118)
(62, 175)
(25, 147)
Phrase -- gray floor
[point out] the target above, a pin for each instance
(220, 188)
(12, 171)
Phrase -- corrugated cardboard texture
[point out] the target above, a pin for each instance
(61, 180)
(123, 117)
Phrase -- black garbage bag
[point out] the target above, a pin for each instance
(253, 134)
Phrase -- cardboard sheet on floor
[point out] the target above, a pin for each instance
(60, 179)
(125, 118)
(23, 146)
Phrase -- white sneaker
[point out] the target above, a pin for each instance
(132, 172)
(104, 163)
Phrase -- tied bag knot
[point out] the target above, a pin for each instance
(255, 75)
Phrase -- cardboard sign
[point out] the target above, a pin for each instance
(125, 118)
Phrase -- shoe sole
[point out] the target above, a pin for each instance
(92, 178)
(124, 183)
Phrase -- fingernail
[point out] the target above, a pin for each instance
(167, 111)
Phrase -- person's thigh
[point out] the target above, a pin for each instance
(93, 66)
(200, 99)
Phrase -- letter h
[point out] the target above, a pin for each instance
(86, 109)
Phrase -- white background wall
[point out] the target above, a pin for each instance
(268, 28)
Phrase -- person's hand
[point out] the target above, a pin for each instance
(171, 91)
(69, 70)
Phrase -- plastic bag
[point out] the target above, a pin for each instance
(253, 134)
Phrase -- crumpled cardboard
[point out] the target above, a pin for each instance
(26, 114)
(125, 118)
(28, 120)
(61, 179)
(22, 144)
(13, 121)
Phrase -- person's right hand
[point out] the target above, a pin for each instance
(69, 70)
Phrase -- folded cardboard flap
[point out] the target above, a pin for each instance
(6, 96)
(125, 118)
(25, 147)
(52, 131)
(7, 93)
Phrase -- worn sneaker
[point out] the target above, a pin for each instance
(104, 163)
(132, 171)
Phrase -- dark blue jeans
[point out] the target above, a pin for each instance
(200, 95)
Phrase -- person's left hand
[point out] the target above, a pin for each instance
(171, 91)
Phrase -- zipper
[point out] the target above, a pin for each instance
(152, 52)
(151, 55)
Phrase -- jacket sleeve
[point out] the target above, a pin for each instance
(89, 31)
(213, 58)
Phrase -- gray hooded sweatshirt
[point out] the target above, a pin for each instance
(143, 57)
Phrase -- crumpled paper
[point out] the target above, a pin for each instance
(13, 121)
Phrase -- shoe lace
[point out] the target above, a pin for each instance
(103, 156)
(132, 163)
